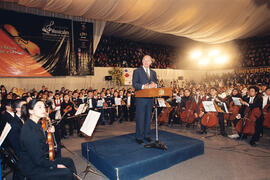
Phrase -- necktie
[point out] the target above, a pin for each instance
(148, 73)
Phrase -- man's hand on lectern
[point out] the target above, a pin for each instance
(153, 85)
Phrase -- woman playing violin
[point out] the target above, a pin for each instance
(34, 162)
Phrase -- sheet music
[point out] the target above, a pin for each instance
(161, 102)
(5, 132)
(117, 101)
(100, 103)
(80, 109)
(225, 107)
(178, 99)
(236, 101)
(90, 123)
(209, 106)
(57, 114)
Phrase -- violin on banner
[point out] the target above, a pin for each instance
(27, 45)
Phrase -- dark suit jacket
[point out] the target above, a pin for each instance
(140, 78)
(14, 134)
(4, 119)
(34, 150)
(257, 103)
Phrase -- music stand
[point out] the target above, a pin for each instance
(155, 93)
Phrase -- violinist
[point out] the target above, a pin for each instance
(220, 116)
(251, 101)
(67, 109)
(34, 162)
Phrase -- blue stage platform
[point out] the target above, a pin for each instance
(122, 158)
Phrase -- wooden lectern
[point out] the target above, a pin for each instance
(155, 92)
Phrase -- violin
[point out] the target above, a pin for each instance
(266, 115)
(246, 125)
(188, 115)
(67, 109)
(46, 123)
(27, 45)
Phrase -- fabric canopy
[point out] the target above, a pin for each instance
(209, 21)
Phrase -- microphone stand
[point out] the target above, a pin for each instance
(156, 144)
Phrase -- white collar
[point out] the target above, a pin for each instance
(11, 113)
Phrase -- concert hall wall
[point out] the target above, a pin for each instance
(97, 81)
(40, 46)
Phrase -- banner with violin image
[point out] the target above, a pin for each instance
(39, 46)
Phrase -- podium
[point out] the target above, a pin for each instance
(154, 93)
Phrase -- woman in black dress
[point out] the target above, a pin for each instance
(34, 161)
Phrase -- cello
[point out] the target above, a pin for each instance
(266, 116)
(233, 109)
(188, 115)
(210, 119)
(246, 125)
(163, 117)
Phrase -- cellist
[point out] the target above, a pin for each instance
(188, 108)
(213, 97)
(251, 101)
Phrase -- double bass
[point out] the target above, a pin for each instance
(246, 125)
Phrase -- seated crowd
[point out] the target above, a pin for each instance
(255, 52)
(113, 51)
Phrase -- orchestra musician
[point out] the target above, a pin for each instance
(16, 124)
(188, 99)
(123, 114)
(92, 103)
(252, 101)
(33, 161)
(215, 98)
(67, 110)
(130, 106)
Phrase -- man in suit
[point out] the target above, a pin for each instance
(144, 78)
(252, 100)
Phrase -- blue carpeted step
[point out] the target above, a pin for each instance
(122, 158)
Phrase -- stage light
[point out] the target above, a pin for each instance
(213, 52)
(204, 61)
(221, 59)
(195, 54)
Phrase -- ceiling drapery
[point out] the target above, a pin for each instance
(209, 21)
